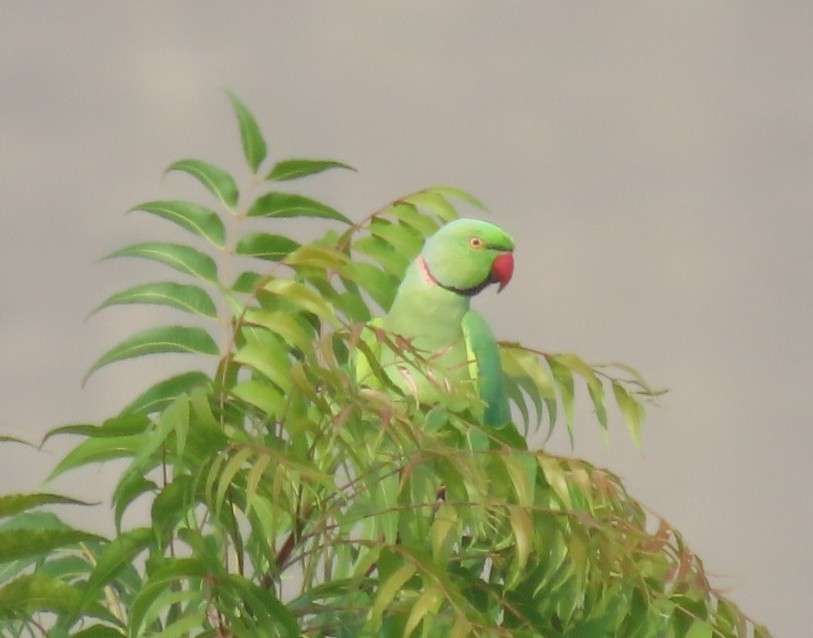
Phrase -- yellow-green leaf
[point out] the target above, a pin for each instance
(523, 528)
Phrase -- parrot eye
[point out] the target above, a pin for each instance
(476, 242)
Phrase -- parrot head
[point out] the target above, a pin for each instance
(466, 255)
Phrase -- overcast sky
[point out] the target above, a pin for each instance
(654, 161)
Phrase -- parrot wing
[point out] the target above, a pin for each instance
(485, 368)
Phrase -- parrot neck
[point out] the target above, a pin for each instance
(431, 279)
(422, 307)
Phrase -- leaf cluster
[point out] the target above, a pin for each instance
(287, 497)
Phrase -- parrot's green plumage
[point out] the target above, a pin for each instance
(432, 310)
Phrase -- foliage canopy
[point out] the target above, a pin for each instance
(287, 498)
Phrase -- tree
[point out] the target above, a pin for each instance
(288, 499)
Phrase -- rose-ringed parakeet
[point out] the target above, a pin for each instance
(432, 310)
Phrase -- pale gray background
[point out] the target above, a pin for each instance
(654, 161)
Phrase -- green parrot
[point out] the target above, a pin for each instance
(432, 309)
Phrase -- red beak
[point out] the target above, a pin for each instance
(502, 268)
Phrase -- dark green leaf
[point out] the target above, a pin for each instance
(38, 592)
(98, 631)
(122, 425)
(292, 205)
(115, 558)
(165, 293)
(266, 610)
(215, 179)
(161, 394)
(24, 543)
(128, 489)
(296, 168)
(193, 217)
(158, 340)
(266, 246)
(183, 258)
(13, 439)
(252, 139)
(247, 282)
(11, 504)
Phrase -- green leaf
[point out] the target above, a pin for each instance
(378, 284)
(394, 262)
(98, 450)
(254, 148)
(157, 594)
(457, 193)
(282, 323)
(265, 353)
(193, 217)
(116, 556)
(174, 418)
(563, 378)
(312, 256)
(389, 589)
(266, 246)
(426, 606)
(165, 293)
(183, 258)
(411, 216)
(37, 592)
(522, 525)
(215, 179)
(247, 282)
(156, 341)
(122, 425)
(24, 543)
(98, 631)
(278, 204)
(269, 616)
(157, 397)
(404, 239)
(184, 626)
(11, 504)
(700, 629)
(594, 386)
(296, 168)
(128, 489)
(261, 395)
(5, 438)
